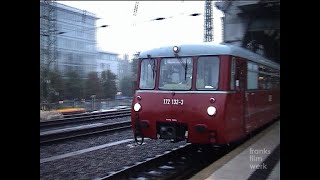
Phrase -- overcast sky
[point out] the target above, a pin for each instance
(122, 36)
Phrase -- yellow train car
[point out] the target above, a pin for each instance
(71, 110)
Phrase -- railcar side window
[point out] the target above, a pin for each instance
(175, 73)
(263, 77)
(274, 78)
(233, 73)
(148, 74)
(252, 76)
(207, 73)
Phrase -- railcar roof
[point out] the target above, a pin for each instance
(208, 48)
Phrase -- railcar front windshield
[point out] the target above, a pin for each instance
(175, 73)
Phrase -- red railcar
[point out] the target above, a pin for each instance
(204, 93)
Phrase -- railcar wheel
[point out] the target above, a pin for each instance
(138, 136)
(139, 139)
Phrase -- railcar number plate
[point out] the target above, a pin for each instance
(173, 101)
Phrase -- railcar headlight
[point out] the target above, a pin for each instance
(137, 107)
(176, 49)
(211, 110)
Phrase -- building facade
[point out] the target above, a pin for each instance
(125, 68)
(253, 24)
(108, 61)
(75, 39)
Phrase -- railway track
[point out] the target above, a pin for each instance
(179, 163)
(68, 133)
(79, 118)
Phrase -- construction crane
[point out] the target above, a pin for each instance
(48, 42)
(135, 10)
(208, 26)
(48, 31)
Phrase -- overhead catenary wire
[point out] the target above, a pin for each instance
(135, 23)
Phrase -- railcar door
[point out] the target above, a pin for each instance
(240, 87)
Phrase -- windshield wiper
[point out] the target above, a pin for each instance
(185, 66)
(153, 68)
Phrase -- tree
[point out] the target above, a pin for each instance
(126, 86)
(108, 84)
(135, 62)
(93, 85)
(43, 83)
(73, 85)
(41, 87)
(55, 86)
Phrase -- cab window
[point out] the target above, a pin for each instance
(207, 73)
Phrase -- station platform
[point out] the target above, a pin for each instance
(256, 159)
